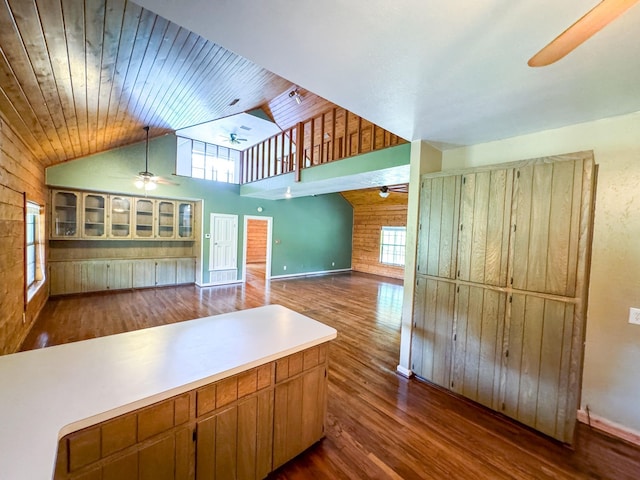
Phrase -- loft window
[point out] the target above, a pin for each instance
(207, 161)
(34, 248)
(392, 245)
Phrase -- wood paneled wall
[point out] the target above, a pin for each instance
(20, 174)
(256, 241)
(370, 214)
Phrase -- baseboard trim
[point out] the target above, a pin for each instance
(309, 274)
(607, 426)
(405, 372)
(230, 282)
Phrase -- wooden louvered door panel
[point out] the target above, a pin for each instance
(478, 344)
(433, 330)
(485, 213)
(540, 375)
(549, 215)
(438, 233)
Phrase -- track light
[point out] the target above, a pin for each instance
(295, 94)
(384, 192)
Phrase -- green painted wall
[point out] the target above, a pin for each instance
(311, 232)
(377, 160)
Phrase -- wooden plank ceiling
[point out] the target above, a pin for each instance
(398, 195)
(79, 77)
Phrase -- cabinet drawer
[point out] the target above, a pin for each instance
(297, 363)
(95, 443)
(227, 391)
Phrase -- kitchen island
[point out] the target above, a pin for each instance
(233, 395)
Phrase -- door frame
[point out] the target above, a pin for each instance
(269, 220)
(212, 245)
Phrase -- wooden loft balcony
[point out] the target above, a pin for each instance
(332, 135)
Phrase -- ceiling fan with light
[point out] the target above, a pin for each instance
(233, 139)
(592, 22)
(146, 180)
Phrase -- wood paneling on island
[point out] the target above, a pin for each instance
(20, 175)
(370, 213)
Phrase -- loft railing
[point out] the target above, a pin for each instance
(330, 136)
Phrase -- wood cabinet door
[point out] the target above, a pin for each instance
(540, 390)
(186, 270)
(478, 344)
(485, 214)
(186, 215)
(65, 278)
(120, 274)
(166, 271)
(438, 230)
(144, 273)
(299, 411)
(65, 214)
(95, 276)
(552, 210)
(165, 219)
(120, 215)
(144, 225)
(236, 443)
(94, 216)
(433, 330)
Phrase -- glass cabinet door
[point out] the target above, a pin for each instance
(166, 219)
(94, 215)
(64, 212)
(144, 218)
(185, 220)
(120, 217)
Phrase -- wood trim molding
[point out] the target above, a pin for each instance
(607, 426)
(405, 372)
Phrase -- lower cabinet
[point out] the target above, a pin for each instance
(99, 275)
(65, 277)
(242, 427)
(237, 442)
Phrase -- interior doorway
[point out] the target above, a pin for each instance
(257, 247)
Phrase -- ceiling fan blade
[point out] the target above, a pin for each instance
(592, 22)
(164, 181)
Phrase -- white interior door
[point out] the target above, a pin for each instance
(223, 258)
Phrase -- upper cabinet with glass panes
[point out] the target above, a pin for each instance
(93, 215)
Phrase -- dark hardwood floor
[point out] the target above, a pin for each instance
(379, 424)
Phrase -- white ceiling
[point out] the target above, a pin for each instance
(250, 130)
(452, 73)
(277, 188)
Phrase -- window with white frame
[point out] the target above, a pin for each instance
(34, 247)
(392, 245)
(207, 161)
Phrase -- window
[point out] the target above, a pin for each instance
(207, 161)
(392, 243)
(34, 248)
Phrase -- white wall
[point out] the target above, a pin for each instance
(611, 381)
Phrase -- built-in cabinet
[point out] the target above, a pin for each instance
(96, 216)
(244, 427)
(502, 277)
(77, 276)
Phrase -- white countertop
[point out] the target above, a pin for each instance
(47, 393)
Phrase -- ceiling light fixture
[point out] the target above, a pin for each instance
(295, 94)
(384, 192)
(288, 193)
(146, 180)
